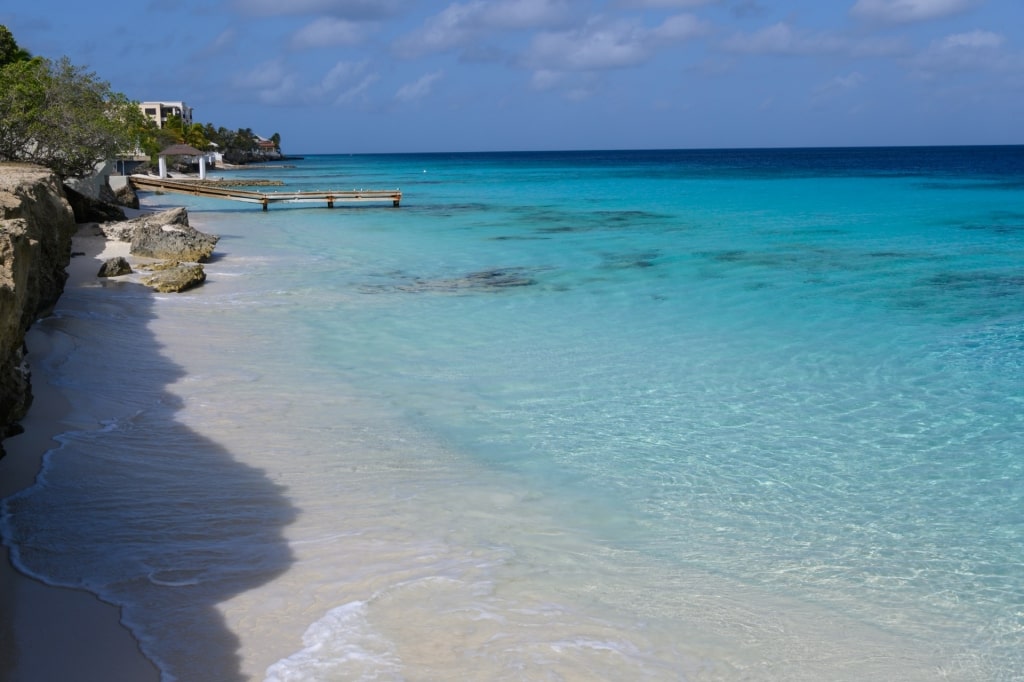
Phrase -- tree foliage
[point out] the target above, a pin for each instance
(61, 116)
(192, 134)
(10, 52)
(64, 117)
(237, 146)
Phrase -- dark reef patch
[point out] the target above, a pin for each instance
(490, 280)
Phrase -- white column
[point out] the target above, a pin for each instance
(202, 167)
(163, 167)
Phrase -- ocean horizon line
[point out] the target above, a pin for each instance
(626, 150)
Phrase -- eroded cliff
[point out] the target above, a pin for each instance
(36, 226)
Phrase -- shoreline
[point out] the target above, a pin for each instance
(49, 632)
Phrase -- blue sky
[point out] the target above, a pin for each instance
(482, 75)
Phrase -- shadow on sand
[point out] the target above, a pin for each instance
(139, 508)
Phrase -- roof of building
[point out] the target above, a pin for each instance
(180, 150)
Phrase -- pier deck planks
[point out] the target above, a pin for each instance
(328, 197)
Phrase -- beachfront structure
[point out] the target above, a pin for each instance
(182, 150)
(159, 112)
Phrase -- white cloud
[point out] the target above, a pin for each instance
(271, 82)
(607, 44)
(677, 4)
(907, 11)
(596, 46)
(343, 74)
(419, 89)
(264, 75)
(781, 38)
(224, 40)
(680, 27)
(461, 24)
(839, 85)
(848, 82)
(349, 9)
(327, 32)
(357, 90)
(547, 80)
(976, 39)
(517, 14)
(971, 51)
(451, 28)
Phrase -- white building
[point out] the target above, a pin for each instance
(159, 111)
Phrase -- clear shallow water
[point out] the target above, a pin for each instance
(625, 415)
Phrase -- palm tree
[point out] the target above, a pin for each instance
(195, 136)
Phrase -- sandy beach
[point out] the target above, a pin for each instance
(52, 633)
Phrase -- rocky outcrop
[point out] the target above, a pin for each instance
(115, 267)
(165, 235)
(88, 210)
(122, 231)
(126, 196)
(176, 277)
(36, 225)
(180, 242)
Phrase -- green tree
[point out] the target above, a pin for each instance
(63, 117)
(193, 134)
(241, 146)
(196, 137)
(21, 92)
(10, 52)
(174, 128)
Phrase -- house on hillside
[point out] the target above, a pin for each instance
(267, 148)
(159, 112)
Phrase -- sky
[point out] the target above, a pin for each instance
(366, 76)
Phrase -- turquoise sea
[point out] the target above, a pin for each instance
(626, 415)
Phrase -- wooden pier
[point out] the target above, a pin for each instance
(328, 198)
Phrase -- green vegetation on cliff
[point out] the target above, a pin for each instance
(63, 117)
(59, 115)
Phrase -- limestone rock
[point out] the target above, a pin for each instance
(179, 243)
(89, 210)
(36, 224)
(165, 235)
(115, 267)
(122, 231)
(126, 196)
(176, 278)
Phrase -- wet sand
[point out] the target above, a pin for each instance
(54, 633)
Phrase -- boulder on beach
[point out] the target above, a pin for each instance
(177, 277)
(126, 196)
(115, 267)
(165, 235)
(122, 231)
(178, 242)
